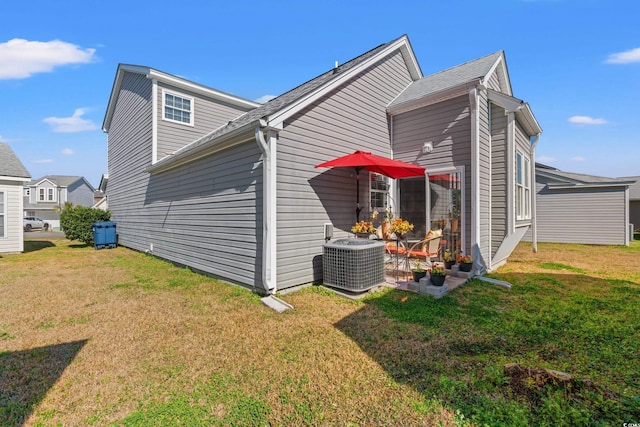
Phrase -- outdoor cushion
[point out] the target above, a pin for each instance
(390, 247)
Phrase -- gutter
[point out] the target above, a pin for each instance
(269, 204)
(474, 104)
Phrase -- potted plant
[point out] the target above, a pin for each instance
(449, 259)
(400, 227)
(437, 275)
(418, 271)
(363, 229)
(465, 262)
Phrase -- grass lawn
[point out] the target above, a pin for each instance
(115, 337)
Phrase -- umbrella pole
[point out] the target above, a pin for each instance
(358, 209)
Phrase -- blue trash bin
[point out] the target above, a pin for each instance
(104, 235)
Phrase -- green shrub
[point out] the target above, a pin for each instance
(77, 221)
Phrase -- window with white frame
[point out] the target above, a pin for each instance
(41, 195)
(379, 190)
(3, 213)
(177, 108)
(523, 187)
(51, 195)
(27, 191)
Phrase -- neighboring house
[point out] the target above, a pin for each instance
(45, 197)
(100, 195)
(634, 201)
(13, 175)
(578, 208)
(229, 187)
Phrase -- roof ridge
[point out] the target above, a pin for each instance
(465, 63)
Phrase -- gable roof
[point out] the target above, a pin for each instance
(172, 80)
(472, 71)
(274, 112)
(61, 180)
(10, 165)
(571, 179)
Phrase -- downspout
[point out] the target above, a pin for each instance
(534, 215)
(474, 105)
(268, 150)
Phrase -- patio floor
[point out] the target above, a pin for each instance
(404, 282)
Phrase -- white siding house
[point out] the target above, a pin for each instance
(13, 175)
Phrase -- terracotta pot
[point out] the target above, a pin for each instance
(449, 264)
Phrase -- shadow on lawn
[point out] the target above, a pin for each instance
(455, 348)
(27, 375)
(36, 245)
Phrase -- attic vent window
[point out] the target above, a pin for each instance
(177, 108)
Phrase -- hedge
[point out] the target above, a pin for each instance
(77, 222)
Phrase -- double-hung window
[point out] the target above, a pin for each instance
(523, 187)
(51, 195)
(177, 108)
(41, 196)
(379, 191)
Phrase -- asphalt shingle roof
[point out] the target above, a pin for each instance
(284, 100)
(451, 77)
(10, 165)
(579, 178)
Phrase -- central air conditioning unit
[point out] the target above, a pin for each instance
(355, 265)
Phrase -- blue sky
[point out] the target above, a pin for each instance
(577, 63)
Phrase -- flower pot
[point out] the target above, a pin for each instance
(437, 280)
(417, 275)
(466, 266)
(449, 264)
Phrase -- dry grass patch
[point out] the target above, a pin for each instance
(114, 337)
(134, 339)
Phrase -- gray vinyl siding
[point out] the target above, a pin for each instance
(129, 153)
(580, 215)
(485, 172)
(524, 146)
(447, 124)
(494, 82)
(351, 117)
(208, 115)
(498, 177)
(204, 214)
(11, 238)
(80, 194)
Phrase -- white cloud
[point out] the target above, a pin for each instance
(578, 159)
(545, 159)
(265, 98)
(21, 58)
(586, 120)
(626, 57)
(71, 124)
(43, 161)
(68, 152)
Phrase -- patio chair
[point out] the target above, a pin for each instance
(426, 249)
(394, 255)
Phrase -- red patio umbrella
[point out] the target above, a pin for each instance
(373, 163)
